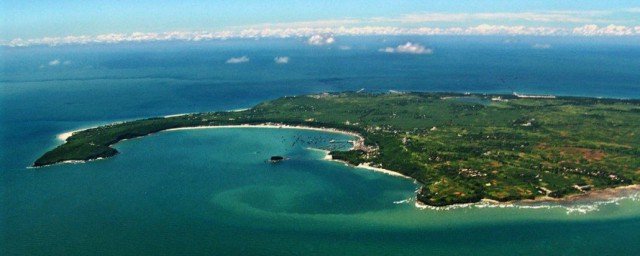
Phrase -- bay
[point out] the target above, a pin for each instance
(203, 192)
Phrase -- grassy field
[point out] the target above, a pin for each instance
(462, 148)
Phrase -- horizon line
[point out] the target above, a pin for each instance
(327, 34)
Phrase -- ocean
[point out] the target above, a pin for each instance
(210, 191)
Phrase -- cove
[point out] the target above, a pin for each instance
(202, 191)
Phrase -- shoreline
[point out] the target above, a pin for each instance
(268, 126)
(176, 115)
(382, 170)
(328, 157)
(602, 194)
(360, 140)
(192, 113)
(597, 195)
(573, 203)
(64, 136)
(591, 197)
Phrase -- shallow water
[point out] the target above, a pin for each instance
(211, 190)
(203, 192)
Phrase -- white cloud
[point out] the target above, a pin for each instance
(562, 16)
(611, 30)
(55, 62)
(238, 60)
(321, 39)
(486, 29)
(281, 60)
(325, 35)
(541, 46)
(409, 48)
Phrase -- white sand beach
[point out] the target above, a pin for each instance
(327, 156)
(271, 126)
(385, 171)
(175, 115)
(360, 139)
(66, 135)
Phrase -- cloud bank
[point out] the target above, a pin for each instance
(238, 60)
(409, 48)
(326, 35)
(319, 40)
(281, 60)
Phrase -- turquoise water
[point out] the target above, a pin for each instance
(202, 191)
(196, 192)
(210, 192)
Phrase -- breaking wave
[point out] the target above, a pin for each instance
(575, 207)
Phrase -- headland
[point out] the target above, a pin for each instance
(500, 147)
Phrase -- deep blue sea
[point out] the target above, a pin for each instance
(210, 192)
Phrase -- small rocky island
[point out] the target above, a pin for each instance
(461, 148)
(276, 159)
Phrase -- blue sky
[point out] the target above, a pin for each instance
(40, 18)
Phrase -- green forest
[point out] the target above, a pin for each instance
(461, 147)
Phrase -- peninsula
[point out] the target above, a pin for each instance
(461, 148)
